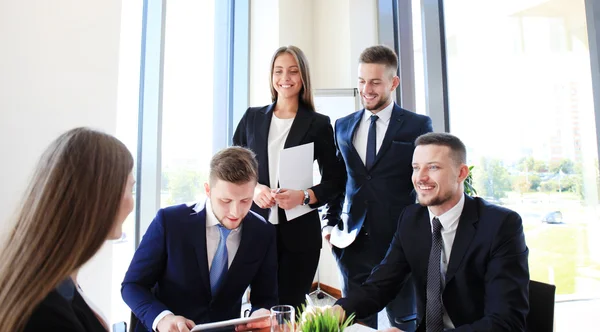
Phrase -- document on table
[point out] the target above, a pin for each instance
(358, 328)
(296, 172)
(225, 323)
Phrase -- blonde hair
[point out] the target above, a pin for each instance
(68, 211)
(306, 95)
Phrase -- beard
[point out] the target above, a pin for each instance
(382, 102)
(436, 200)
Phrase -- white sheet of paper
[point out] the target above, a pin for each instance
(358, 328)
(225, 323)
(296, 172)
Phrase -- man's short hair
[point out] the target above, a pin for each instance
(458, 151)
(380, 54)
(234, 164)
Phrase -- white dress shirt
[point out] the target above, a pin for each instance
(92, 306)
(213, 237)
(278, 133)
(449, 221)
(362, 132)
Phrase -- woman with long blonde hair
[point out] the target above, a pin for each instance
(79, 196)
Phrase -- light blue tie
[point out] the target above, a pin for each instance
(218, 269)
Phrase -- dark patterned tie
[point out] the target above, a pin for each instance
(433, 307)
(371, 143)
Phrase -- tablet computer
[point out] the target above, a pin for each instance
(225, 323)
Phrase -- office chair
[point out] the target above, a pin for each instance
(133, 321)
(541, 307)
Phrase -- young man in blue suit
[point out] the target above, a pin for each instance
(376, 146)
(467, 257)
(195, 262)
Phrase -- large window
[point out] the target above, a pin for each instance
(127, 124)
(187, 118)
(520, 96)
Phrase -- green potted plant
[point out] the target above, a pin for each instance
(322, 319)
(468, 184)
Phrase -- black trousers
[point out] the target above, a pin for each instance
(295, 273)
(356, 262)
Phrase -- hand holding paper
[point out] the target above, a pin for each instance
(258, 325)
(288, 199)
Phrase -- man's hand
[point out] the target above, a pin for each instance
(338, 311)
(172, 323)
(263, 197)
(326, 234)
(260, 325)
(391, 329)
(327, 238)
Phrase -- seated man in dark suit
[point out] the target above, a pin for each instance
(468, 258)
(195, 262)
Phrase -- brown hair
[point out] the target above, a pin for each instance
(306, 95)
(234, 164)
(68, 211)
(458, 150)
(380, 54)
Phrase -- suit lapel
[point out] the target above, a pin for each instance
(300, 127)
(352, 127)
(396, 120)
(262, 140)
(423, 240)
(199, 239)
(464, 235)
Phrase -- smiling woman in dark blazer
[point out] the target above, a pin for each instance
(291, 120)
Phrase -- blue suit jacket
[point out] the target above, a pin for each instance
(487, 281)
(383, 191)
(169, 270)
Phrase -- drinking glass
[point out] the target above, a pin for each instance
(283, 318)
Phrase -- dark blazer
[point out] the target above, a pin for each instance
(384, 190)
(169, 270)
(487, 278)
(302, 233)
(64, 309)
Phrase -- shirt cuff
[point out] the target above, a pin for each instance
(158, 318)
(326, 230)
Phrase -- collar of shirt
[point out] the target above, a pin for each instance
(449, 220)
(66, 289)
(211, 219)
(384, 115)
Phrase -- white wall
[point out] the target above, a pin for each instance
(58, 70)
(332, 34)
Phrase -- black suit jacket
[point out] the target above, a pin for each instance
(302, 233)
(380, 193)
(487, 281)
(64, 310)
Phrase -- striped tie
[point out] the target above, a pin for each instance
(218, 269)
(433, 308)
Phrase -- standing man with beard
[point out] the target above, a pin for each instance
(467, 257)
(376, 145)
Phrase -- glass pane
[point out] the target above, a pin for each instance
(419, 60)
(187, 100)
(127, 125)
(520, 96)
